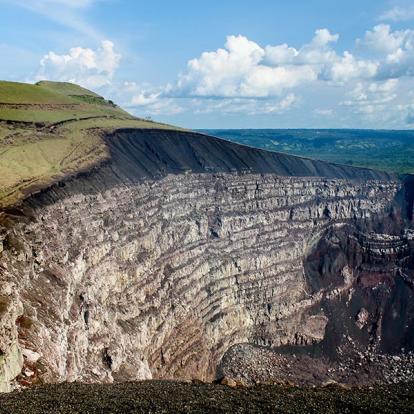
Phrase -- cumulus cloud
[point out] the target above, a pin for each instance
(280, 54)
(87, 67)
(245, 77)
(245, 69)
(368, 83)
(381, 39)
(347, 67)
(221, 73)
(368, 98)
(284, 104)
(264, 81)
(323, 37)
(147, 101)
(395, 50)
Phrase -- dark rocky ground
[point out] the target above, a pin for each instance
(249, 365)
(254, 380)
(172, 397)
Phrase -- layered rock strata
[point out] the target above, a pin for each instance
(181, 246)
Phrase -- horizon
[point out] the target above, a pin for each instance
(305, 129)
(303, 65)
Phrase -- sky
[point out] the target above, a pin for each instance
(224, 64)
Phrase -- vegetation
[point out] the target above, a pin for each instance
(50, 130)
(383, 150)
(66, 88)
(21, 93)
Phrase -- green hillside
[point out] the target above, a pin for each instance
(50, 130)
(21, 93)
(66, 88)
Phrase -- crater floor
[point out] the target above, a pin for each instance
(163, 397)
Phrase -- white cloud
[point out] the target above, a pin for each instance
(244, 77)
(221, 73)
(393, 50)
(369, 98)
(323, 37)
(348, 68)
(381, 39)
(386, 87)
(264, 81)
(283, 105)
(144, 101)
(166, 106)
(316, 52)
(368, 84)
(245, 69)
(280, 54)
(147, 102)
(141, 99)
(87, 67)
(398, 14)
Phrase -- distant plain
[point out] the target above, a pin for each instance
(391, 151)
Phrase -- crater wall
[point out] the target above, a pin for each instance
(156, 263)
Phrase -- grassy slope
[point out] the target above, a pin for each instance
(21, 93)
(34, 155)
(66, 88)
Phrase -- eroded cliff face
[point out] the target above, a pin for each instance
(155, 264)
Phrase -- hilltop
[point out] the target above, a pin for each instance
(52, 129)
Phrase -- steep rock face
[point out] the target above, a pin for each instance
(155, 264)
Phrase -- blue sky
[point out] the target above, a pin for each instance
(224, 64)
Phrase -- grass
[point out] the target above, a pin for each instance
(50, 102)
(94, 100)
(22, 93)
(66, 88)
(4, 132)
(53, 115)
(51, 130)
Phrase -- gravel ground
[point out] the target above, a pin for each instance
(251, 365)
(174, 397)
